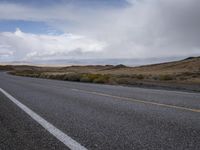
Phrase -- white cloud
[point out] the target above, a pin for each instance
(26, 46)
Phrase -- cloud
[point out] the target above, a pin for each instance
(142, 29)
(154, 28)
(26, 46)
(12, 11)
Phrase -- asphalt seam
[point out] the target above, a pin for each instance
(61, 136)
(139, 101)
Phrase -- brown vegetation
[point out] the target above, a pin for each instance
(185, 72)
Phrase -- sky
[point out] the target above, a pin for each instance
(37, 30)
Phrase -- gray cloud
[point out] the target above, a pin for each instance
(156, 28)
(142, 29)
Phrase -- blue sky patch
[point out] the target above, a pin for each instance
(27, 26)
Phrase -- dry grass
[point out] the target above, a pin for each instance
(185, 71)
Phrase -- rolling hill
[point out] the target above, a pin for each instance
(183, 74)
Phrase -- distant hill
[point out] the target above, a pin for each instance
(183, 74)
(191, 64)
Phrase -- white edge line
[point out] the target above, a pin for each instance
(68, 141)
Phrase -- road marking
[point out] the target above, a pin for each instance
(138, 101)
(64, 138)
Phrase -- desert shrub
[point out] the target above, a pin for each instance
(124, 76)
(72, 77)
(92, 77)
(165, 77)
(122, 80)
(7, 67)
(194, 75)
(27, 73)
(133, 76)
(182, 78)
(187, 73)
(60, 77)
(112, 80)
(34, 75)
(155, 77)
(95, 78)
(101, 79)
(48, 76)
(52, 77)
(140, 76)
(85, 78)
(43, 76)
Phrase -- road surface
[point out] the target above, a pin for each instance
(101, 117)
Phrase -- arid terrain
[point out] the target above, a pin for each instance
(183, 74)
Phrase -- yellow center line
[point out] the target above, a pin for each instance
(139, 101)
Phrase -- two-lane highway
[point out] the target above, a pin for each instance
(95, 116)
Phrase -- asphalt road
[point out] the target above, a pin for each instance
(100, 117)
